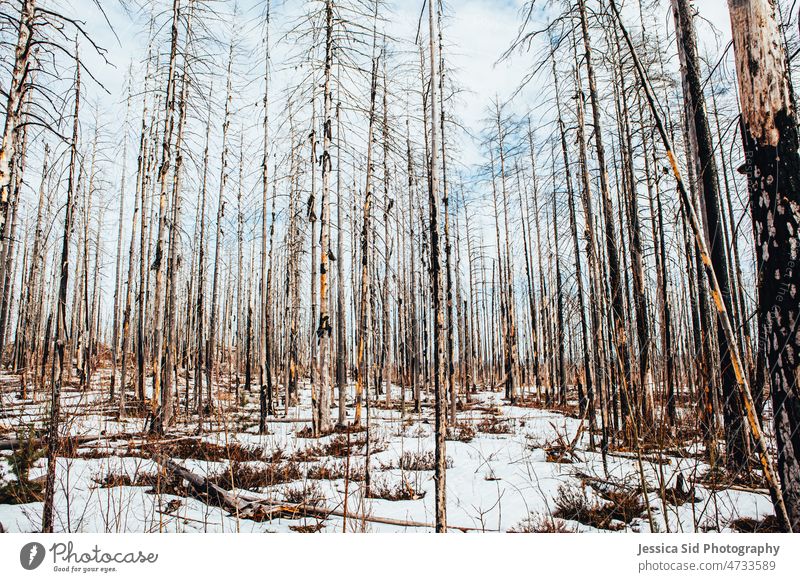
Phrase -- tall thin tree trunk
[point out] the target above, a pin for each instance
(57, 369)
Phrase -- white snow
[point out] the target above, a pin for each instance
(496, 481)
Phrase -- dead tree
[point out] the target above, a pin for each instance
(773, 171)
(737, 439)
(436, 290)
(323, 333)
(15, 100)
(57, 368)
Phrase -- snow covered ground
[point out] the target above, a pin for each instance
(496, 480)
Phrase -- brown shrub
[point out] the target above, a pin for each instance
(308, 528)
(417, 461)
(573, 503)
(206, 451)
(248, 476)
(308, 493)
(158, 483)
(17, 492)
(460, 432)
(310, 453)
(558, 454)
(535, 523)
(339, 447)
(114, 479)
(749, 525)
(394, 492)
(333, 471)
(494, 425)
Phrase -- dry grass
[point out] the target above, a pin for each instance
(338, 446)
(679, 494)
(334, 471)
(394, 491)
(460, 432)
(308, 433)
(308, 493)
(568, 409)
(17, 492)
(308, 528)
(721, 478)
(535, 523)
(621, 506)
(495, 425)
(202, 450)
(114, 479)
(749, 525)
(558, 453)
(252, 477)
(310, 453)
(158, 483)
(417, 461)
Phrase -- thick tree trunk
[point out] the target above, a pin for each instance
(323, 333)
(773, 170)
(436, 278)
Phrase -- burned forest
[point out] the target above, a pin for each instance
(384, 266)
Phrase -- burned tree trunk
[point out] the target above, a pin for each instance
(57, 369)
(737, 440)
(773, 170)
(323, 332)
(14, 103)
(436, 290)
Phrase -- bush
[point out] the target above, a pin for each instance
(21, 461)
(251, 477)
(494, 425)
(418, 461)
(749, 525)
(309, 493)
(203, 450)
(394, 492)
(623, 506)
(460, 432)
(334, 471)
(535, 523)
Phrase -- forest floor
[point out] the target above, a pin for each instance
(510, 468)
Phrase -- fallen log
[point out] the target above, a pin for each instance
(655, 459)
(297, 510)
(203, 488)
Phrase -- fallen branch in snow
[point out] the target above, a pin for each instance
(649, 458)
(288, 419)
(604, 483)
(203, 489)
(185, 518)
(297, 510)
